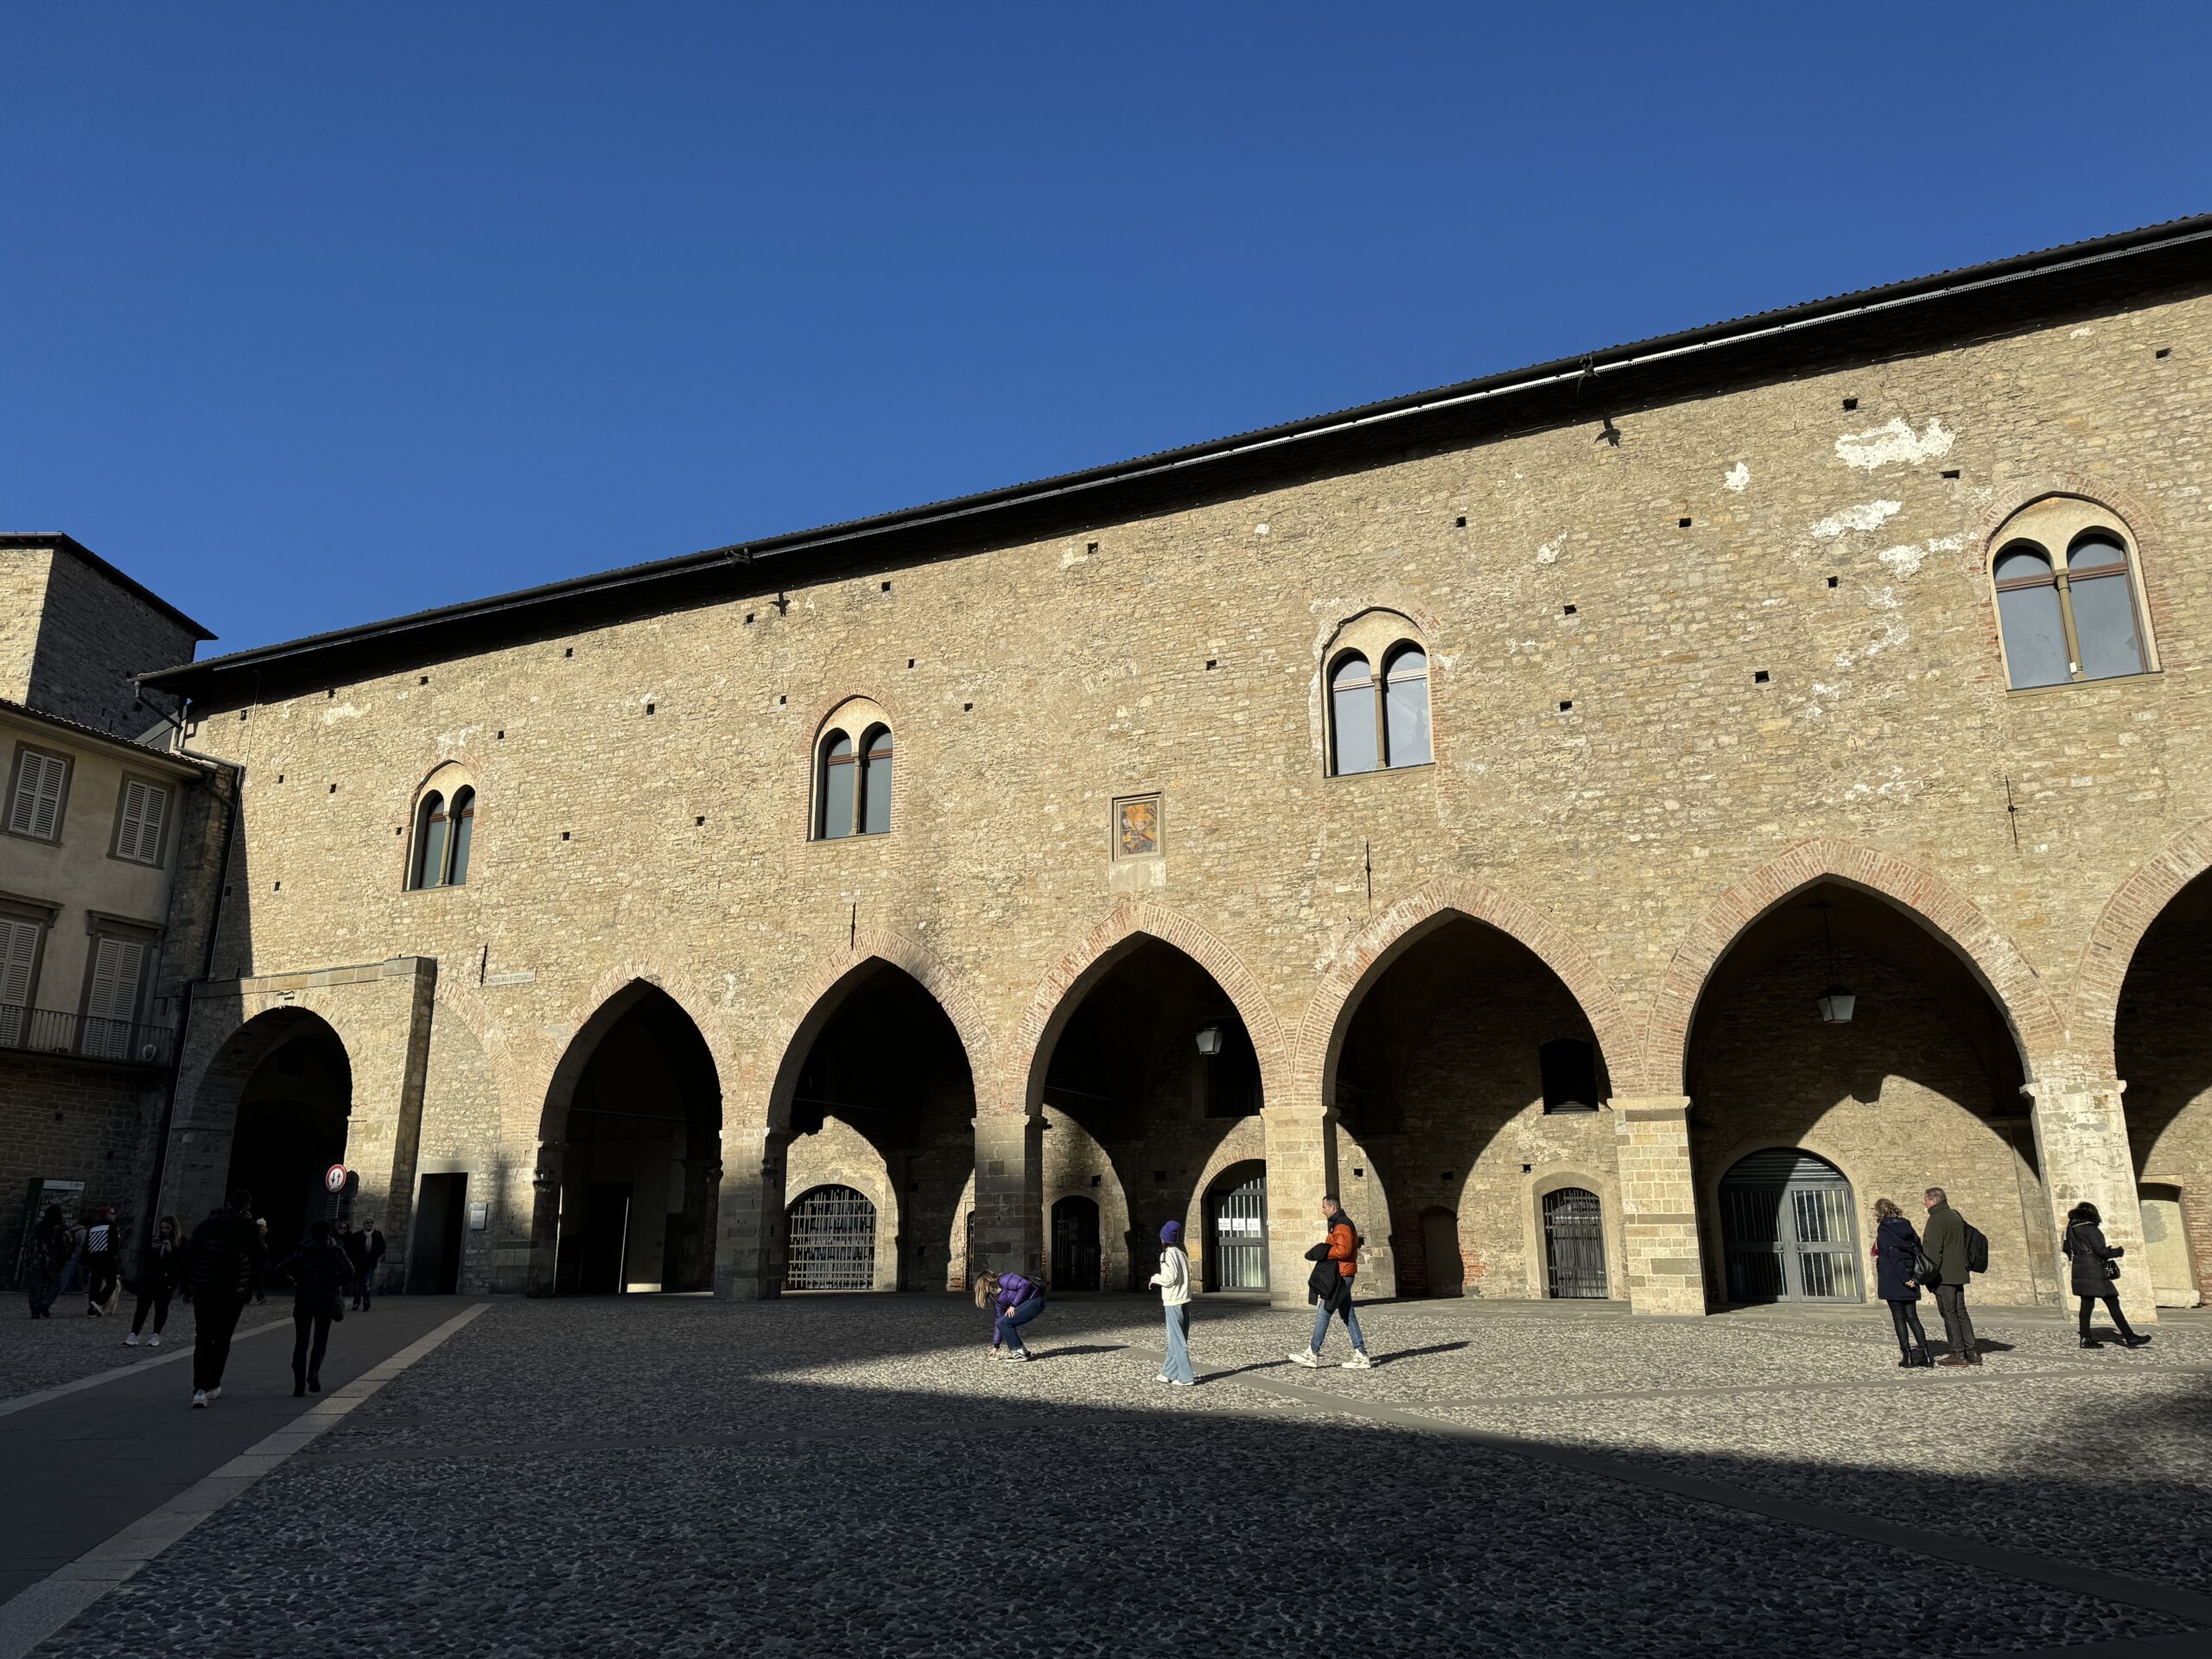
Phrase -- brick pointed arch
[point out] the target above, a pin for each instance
(1124, 924)
(812, 1001)
(2102, 970)
(1419, 912)
(2028, 1007)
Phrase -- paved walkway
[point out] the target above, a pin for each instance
(853, 1475)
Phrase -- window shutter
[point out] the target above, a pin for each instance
(37, 806)
(114, 998)
(18, 950)
(144, 807)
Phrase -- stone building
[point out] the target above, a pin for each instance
(1610, 823)
(109, 852)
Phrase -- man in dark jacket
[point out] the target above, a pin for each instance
(365, 1281)
(103, 1253)
(1943, 1241)
(319, 1274)
(1336, 1263)
(228, 1258)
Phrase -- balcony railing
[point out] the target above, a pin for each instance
(49, 1030)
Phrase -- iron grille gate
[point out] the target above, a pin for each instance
(1574, 1244)
(1788, 1230)
(832, 1241)
(1240, 1238)
(1075, 1244)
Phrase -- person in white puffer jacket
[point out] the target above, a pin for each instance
(1174, 1281)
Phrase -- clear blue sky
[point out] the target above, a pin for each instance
(313, 313)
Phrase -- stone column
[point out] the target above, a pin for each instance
(1301, 1171)
(1659, 1229)
(1009, 1192)
(544, 1223)
(749, 1215)
(2081, 1149)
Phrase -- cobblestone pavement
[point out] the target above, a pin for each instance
(855, 1476)
(41, 1353)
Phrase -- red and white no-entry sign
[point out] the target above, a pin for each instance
(333, 1178)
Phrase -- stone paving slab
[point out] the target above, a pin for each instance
(855, 1476)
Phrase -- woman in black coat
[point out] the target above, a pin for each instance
(320, 1274)
(1896, 1253)
(2096, 1266)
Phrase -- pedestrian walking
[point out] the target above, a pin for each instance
(1897, 1257)
(1014, 1300)
(2095, 1264)
(103, 1257)
(320, 1274)
(226, 1261)
(1944, 1269)
(372, 1254)
(47, 1258)
(261, 1267)
(353, 1244)
(1174, 1281)
(1336, 1264)
(157, 1279)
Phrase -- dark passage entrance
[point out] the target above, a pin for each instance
(291, 1128)
(434, 1264)
(1075, 1244)
(592, 1254)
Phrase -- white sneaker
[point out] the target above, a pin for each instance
(131, 1340)
(214, 1394)
(1359, 1362)
(1163, 1377)
(199, 1399)
(154, 1341)
(1018, 1357)
(1310, 1360)
(1179, 1382)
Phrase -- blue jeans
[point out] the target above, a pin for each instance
(1178, 1368)
(1351, 1324)
(1007, 1333)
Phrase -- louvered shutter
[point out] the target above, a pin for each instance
(36, 809)
(114, 998)
(18, 952)
(144, 808)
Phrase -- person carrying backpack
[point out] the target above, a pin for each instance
(1945, 1248)
(319, 1274)
(1174, 1281)
(1336, 1264)
(227, 1260)
(2095, 1265)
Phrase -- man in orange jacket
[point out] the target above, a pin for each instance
(1336, 1264)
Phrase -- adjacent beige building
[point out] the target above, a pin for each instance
(1609, 824)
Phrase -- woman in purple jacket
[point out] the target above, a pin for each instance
(1015, 1300)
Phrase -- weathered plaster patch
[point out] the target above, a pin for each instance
(1905, 559)
(343, 711)
(1867, 515)
(1549, 553)
(1895, 440)
(1737, 478)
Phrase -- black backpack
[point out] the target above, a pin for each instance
(1977, 1250)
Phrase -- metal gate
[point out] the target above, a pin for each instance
(832, 1241)
(1238, 1260)
(1075, 1244)
(1574, 1244)
(1787, 1229)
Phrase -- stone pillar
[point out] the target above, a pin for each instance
(1009, 1192)
(1659, 1230)
(1301, 1171)
(544, 1223)
(2081, 1149)
(749, 1215)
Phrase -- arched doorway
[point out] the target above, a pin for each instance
(831, 1240)
(1788, 1229)
(1840, 1020)
(632, 1137)
(1237, 1229)
(290, 1126)
(1574, 1245)
(2162, 1046)
(1075, 1244)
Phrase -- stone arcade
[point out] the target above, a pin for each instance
(1610, 822)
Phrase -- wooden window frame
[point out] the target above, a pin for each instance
(17, 907)
(160, 860)
(98, 925)
(16, 783)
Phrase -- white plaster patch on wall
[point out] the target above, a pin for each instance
(1905, 559)
(1549, 553)
(1867, 515)
(1892, 441)
(448, 741)
(343, 711)
(1946, 543)
(1737, 478)
(2082, 333)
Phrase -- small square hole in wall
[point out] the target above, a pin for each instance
(1681, 523)
(1527, 1169)
(1850, 404)
(1951, 473)
(241, 714)
(781, 702)
(564, 835)
(887, 586)
(1090, 547)
(280, 777)
(699, 822)
(1566, 705)
(910, 662)
(399, 829)
(649, 708)
(1832, 581)
(1460, 522)
(1567, 610)
(569, 651)
(332, 692)
(967, 708)
(422, 680)
(279, 887)
(1358, 1173)
(334, 789)
(500, 736)
(2163, 352)
(1094, 1181)
(1759, 677)
(1212, 662)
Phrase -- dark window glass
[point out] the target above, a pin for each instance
(2104, 610)
(2028, 612)
(837, 787)
(464, 830)
(1569, 1066)
(875, 784)
(1351, 716)
(430, 842)
(1405, 708)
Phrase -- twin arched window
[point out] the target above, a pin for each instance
(444, 826)
(2066, 601)
(1374, 725)
(852, 785)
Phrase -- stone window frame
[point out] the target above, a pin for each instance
(449, 781)
(14, 783)
(857, 719)
(1539, 1185)
(100, 925)
(2054, 521)
(170, 793)
(41, 913)
(1377, 635)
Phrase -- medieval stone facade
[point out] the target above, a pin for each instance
(993, 862)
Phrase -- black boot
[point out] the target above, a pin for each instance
(314, 1385)
(2134, 1339)
(2091, 1341)
(299, 1389)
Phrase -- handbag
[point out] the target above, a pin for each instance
(2111, 1268)
(1923, 1268)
